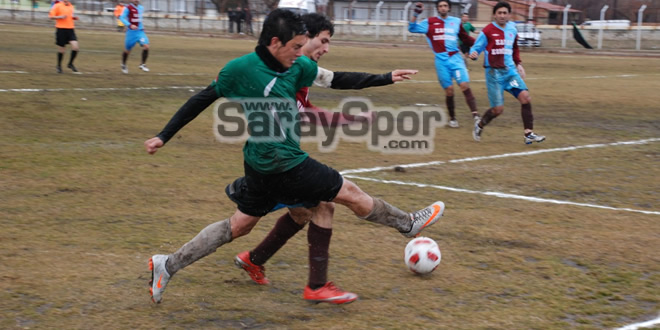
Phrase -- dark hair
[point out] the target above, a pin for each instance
(283, 24)
(500, 5)
(316, 23)
(447, 1)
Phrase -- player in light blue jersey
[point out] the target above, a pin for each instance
(132, 17)
(442, 33)
(504, 71)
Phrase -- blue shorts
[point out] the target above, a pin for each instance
(500, 80)
(134, 37)
(450, 69)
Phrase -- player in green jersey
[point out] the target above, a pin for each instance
(277, 171)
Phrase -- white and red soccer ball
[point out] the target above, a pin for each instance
(422, 255)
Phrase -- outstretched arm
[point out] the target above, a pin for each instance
(359, 80)
(479, 46)
(189, 111)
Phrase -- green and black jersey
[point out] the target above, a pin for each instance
(269, 101)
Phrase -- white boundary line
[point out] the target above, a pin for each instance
(499, 194)
(645, 324)
(515, 154)
(105, 73)
(100, 89)
(351, 175)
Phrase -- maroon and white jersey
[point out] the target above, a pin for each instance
(500, 45)
(132, 15)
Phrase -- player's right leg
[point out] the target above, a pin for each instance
(446, 82)
(496, 100)
(61, 41)
(129, 42)
(163, 267)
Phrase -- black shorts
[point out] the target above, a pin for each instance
(64, 36)
(306, 185)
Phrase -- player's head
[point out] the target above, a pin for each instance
(502, 12)
(465, 17)
(320, 30)
(284, 34)
(443, 6)
(135, 2)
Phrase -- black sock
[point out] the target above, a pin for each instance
(59, 58)
(145, 54)
(471, 101)
(124, 57)
(449, 100)
(488, 116)
(318, 239)
(284, 229)
(527, 116)
(73, 56)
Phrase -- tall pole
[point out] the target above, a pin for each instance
(563, 27)
(531, 11)
(640, 15)
(380, 4)
(406, 19)
(600, 30)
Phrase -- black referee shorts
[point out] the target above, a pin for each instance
(305, 185)
(64, 36)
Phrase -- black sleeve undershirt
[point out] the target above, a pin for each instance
(193, 107)
(359, 80)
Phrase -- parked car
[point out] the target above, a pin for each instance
(528, 35)
(610, 24)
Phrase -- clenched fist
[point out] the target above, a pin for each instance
(419, 7)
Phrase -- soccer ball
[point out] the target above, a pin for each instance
(422, 255)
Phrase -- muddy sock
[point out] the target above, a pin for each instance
(527, 116)
(284, 229)
(206, 242)
(318, 239)
(471, 102)
(388, 215)
(449, 100)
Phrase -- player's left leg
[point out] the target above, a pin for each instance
(144, 42)
(319, 233)
(129, 42)
(74, 53)
(528, 118)
(516, 86)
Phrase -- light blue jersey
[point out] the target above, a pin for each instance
(442, 36)
(501, 58)
(133, 15)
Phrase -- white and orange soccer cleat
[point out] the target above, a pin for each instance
(424, 218)
(159, 277)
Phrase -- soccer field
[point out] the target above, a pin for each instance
(561, 234)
